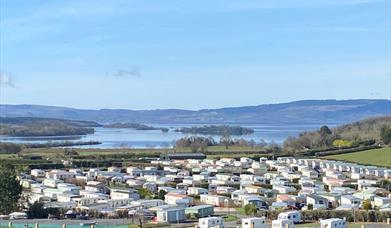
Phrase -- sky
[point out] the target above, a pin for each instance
(138, 54)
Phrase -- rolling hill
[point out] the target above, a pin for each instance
(297, 112)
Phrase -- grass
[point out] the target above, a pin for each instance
(234, 155)
(232, 151)
(230, 218)
(350, 225)
(9, 156)
(378, 157)
(240, 210)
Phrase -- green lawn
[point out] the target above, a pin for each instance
(231, 218)
(350, 225)
(219, 150)
(380, 157)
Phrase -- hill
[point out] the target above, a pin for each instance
(366, 132)
(367, 129)
(298, 112)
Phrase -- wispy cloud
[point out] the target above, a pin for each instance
(6, 79)
(125, 73)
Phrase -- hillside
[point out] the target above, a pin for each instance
(368, 131)
(298, 112)
(28, 126)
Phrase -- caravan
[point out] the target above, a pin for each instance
(333, 223)
(254, 222)
(282, 223)
(294, 216)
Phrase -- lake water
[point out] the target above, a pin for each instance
(117, 138)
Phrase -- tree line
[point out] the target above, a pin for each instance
(216, 130)
(136, 126)
(201, 144)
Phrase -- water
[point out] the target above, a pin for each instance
(117, 138)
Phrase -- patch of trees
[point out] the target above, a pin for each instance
(366, 133)
(38, 211)
(10, 189)
(196, 143)
(201, 144)
(216, 130)
(10, 148)
(385, 134)
(136, 126)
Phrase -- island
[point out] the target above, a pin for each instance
(216, 130)
(33, 127)
(135, 126)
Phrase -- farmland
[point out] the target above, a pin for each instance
(379, 157)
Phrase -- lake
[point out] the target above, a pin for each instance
(117, 138)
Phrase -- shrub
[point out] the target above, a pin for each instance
(250, 209)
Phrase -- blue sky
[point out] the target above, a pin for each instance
(192, 54)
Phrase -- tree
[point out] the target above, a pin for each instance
(226, 140)
(145, 193)
(161, 194)
(10, 189)
(325, 136)
(385, 184)
(385, 134)
(366, 205)
(36, 210)
(250, 209)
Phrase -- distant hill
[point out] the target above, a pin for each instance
(299, 112)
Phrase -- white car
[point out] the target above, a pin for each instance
(17, 215)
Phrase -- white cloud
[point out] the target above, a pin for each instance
(6, 79)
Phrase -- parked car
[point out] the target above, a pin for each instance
(18, 215)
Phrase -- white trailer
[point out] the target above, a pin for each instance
(283, 223)
(333, 223)
(254, 222)
(294, 216)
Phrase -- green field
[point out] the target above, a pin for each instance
(212, 150)
(350, 225)
(379, 157)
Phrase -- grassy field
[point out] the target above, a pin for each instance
(380, 157)
(218, 150)
(350, 225)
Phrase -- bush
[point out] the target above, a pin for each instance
(367, 205)
(250, 209)
(37, 211)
